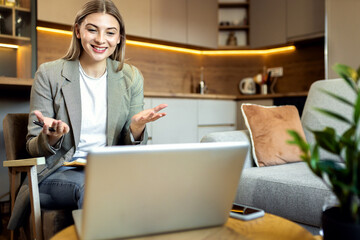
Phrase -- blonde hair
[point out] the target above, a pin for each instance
(98, 6)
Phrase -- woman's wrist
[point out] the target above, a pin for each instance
(53, 140)
(137, 130)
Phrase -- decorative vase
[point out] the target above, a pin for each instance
(336, 227)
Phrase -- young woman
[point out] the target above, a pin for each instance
(89, 98)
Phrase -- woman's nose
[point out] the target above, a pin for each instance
(100, 39)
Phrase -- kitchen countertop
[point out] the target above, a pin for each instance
(224, 97)
(21, 82)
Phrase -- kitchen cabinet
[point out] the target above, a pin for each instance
(169, 20)
(233, 21)
(180, 123)
(17, 27)
(268, 23)
(216, 112)
(277, 22)
(188, 120)
(55, 11)
(179, 21)
(215, 116)
(202, 22)
(305, 19)
(136, 15)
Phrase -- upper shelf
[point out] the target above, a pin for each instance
(11, 81)
(15, 24)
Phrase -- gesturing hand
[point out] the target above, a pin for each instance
(59, 126)
(139, 120)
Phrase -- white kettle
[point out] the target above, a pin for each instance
(247, 86)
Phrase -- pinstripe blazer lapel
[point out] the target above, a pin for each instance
(72, 97)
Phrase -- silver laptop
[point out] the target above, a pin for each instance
(140, 190)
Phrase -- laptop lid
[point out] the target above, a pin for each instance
(148, 189)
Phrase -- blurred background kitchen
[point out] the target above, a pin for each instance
(194, 55)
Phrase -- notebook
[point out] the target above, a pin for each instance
(149, 189)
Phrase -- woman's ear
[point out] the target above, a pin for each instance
(77, 30)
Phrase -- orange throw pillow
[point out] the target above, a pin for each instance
(268, 131)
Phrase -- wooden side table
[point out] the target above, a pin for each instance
(268, 227)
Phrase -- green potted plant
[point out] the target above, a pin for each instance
(342, 176)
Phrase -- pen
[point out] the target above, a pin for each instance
(41, 124)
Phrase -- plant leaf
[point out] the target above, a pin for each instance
(313, 161)
(333, 115)
(348, 74)
(341, 99)
(299, 141)
(347, 137)
(328, 140)
(357, 109)
(358, 74)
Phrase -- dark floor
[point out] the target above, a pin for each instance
(5, 215)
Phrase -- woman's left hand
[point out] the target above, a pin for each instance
(138, 121)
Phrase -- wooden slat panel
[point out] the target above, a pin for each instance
(174, 72)
(51, 46)
(301, 68)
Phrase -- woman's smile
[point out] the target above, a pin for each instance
(99, 49)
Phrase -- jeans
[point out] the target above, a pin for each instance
(63, 189)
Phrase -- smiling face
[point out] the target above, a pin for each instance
(99, 34)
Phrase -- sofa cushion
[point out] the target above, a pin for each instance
(291, 191)
(318, 121)
(232, 136)
(268, 130)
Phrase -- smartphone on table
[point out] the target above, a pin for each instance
(245, 212)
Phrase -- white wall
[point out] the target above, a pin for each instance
(343, 34)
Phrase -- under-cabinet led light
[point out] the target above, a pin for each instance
(45, 29)
(8, 45)
(249, 52)
(188, 50)
(164, 47)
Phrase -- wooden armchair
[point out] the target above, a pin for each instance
(18, 161)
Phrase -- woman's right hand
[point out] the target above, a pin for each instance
(59, 126)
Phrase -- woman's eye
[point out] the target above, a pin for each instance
(110, 33)
(92, 30)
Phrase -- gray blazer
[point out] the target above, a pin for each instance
(56, 93)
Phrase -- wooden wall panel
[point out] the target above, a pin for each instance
(301, 68)
(51, 46)
(224, 73)
(174, 72)
(23, 60)
(165, 71)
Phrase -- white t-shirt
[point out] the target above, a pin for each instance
(93, 113)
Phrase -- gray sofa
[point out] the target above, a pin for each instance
(291, 190)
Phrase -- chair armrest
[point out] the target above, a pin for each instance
(29, 166)
(24, 162)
